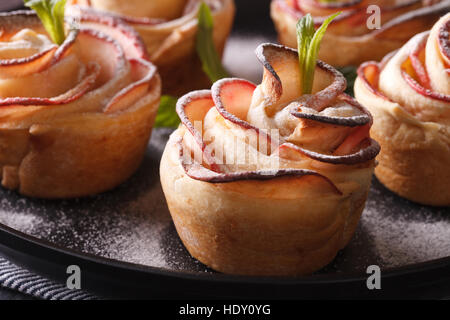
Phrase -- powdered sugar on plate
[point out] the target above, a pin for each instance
(404, 233)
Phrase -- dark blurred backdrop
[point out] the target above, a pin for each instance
(259, 11)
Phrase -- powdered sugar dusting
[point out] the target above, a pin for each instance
(404, 233)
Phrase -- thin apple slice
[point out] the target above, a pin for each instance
(289, 150)
(369, 73)
(15, 68)
(353, 140)
(232, 98)
(198, 172)
(281, 80)
(418, 67)
(336, 85)
(73, 94)
(128, 96)
(424, 91)
(192, 109)
(117, 29)
(354, 121)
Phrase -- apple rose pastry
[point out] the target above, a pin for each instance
(265, 180)
(169, 30)
(75, 118)
(354, 36)
(409, 96)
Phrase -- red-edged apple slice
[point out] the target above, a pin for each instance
(353, 140)
(354, 121)
(192, 109)
(418, 67)
(67, 45)
(73, 94)
(113, 26)
(232, 98)
(289, 150)
(369, 73)
(144, 73)
(325, 133)
(87, 10)
(281, 80)
(424, 91)
(322, 99)
(294, 176)
(14, 68)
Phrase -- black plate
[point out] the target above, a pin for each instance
(126, 245)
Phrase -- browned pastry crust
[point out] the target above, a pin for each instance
(75, 119)
(170, 40)
(409, 97)
(348, 40)
(292, 209)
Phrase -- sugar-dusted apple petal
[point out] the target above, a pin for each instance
(281, 80)
(192, 109)
(75, 93)
(364, 154)
(144, 72)
(232, 98)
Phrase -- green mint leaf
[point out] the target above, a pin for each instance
(211, 62)
(51, 13)
(308, 41)
(305, 33)
(167, 116)
(58, 18)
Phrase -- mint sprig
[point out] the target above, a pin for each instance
(211, 62)
(308, 41)
(167, 116)
(51, 13)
